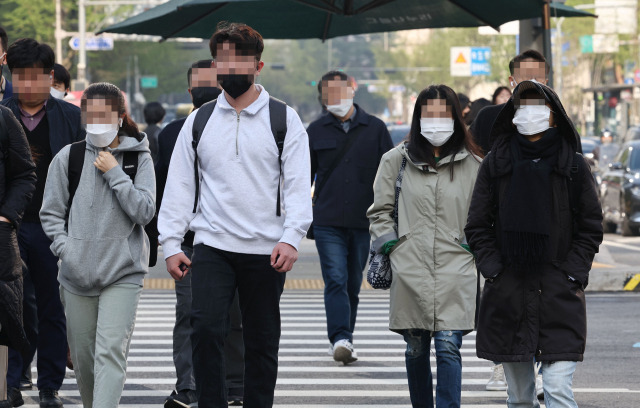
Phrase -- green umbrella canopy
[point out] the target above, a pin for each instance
(323, 19)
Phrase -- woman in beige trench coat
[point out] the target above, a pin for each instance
(434, 287)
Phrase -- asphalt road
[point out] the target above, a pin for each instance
(308, 377)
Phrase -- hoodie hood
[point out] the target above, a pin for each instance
(127, 144)
(503, 127)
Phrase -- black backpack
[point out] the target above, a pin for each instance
(278, 118)
(130, 167)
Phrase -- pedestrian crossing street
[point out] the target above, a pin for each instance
(308, 376)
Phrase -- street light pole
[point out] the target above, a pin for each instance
(82, 53)
(58, 32)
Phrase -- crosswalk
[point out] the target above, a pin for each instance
(307, 375)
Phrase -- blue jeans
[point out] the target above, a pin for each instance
(557, 378)
(448, 361)
(343, 256)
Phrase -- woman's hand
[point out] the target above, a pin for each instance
(105, 162)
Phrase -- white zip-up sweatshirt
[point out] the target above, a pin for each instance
(239, 173)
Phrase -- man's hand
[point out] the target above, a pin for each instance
(4, 219)
(283, 257)
(105, 162)
(173, 265)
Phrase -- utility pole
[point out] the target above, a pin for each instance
(81, 83)
(58, 32)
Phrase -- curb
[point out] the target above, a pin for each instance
(304, 284)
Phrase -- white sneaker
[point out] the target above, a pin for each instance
(539, 387)
(343, 351)
(497, 381)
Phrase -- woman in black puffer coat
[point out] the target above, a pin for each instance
(535, 224)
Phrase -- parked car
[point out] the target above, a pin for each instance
(633, 133)
(620, 191)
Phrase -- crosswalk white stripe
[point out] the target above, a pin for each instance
(324, 358)
(302, 333)
(294, 341)
(323, 350)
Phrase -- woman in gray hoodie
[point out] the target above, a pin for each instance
(98, 233)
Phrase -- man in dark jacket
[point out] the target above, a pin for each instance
(49, 124)
(17, 183)
(346, 145)
(535, 223)
(527, 65)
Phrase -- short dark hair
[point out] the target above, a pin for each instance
(528, 54)
(4, 40)
(198, 64)
(153, 113)
(61, 74)
(244, 37)
(331, 75)
(28, 53)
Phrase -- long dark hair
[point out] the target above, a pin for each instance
(419, 147)
(105, 90)
(497, 92)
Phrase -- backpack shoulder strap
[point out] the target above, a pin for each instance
(130, 164)
(74, 170)
(199, 123)
(278, 118)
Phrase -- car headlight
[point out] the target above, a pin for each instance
(635, 191)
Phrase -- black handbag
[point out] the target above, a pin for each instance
(332, 167)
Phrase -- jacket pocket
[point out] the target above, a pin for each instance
(95, 263)
(325, 144)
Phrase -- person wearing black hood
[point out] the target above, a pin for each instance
(535, 224)
(203, 87)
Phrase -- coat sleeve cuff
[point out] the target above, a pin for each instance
(383, 239)
(292, 236)
(114, 175)
(170, 247)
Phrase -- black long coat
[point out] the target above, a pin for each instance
(538, 312)
(17, 183)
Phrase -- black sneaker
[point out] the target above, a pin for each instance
(5, 404)
(235, 397)
(14, 396)
(49, 399)
(181, 399)
(25, 379)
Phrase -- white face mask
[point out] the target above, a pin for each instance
(437, 130)
(102, 134)
(532, 119)
(341, 109)
(56, 93)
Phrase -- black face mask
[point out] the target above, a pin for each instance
(235, 84)
(204, 94)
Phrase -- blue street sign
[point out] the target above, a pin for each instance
(480, 61)
(92, 44)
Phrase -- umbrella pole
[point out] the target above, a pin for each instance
(546, 32)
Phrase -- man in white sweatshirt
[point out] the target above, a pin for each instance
(242, 239)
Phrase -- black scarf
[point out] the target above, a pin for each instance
(525, 216)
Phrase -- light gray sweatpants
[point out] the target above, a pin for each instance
(99, 330)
